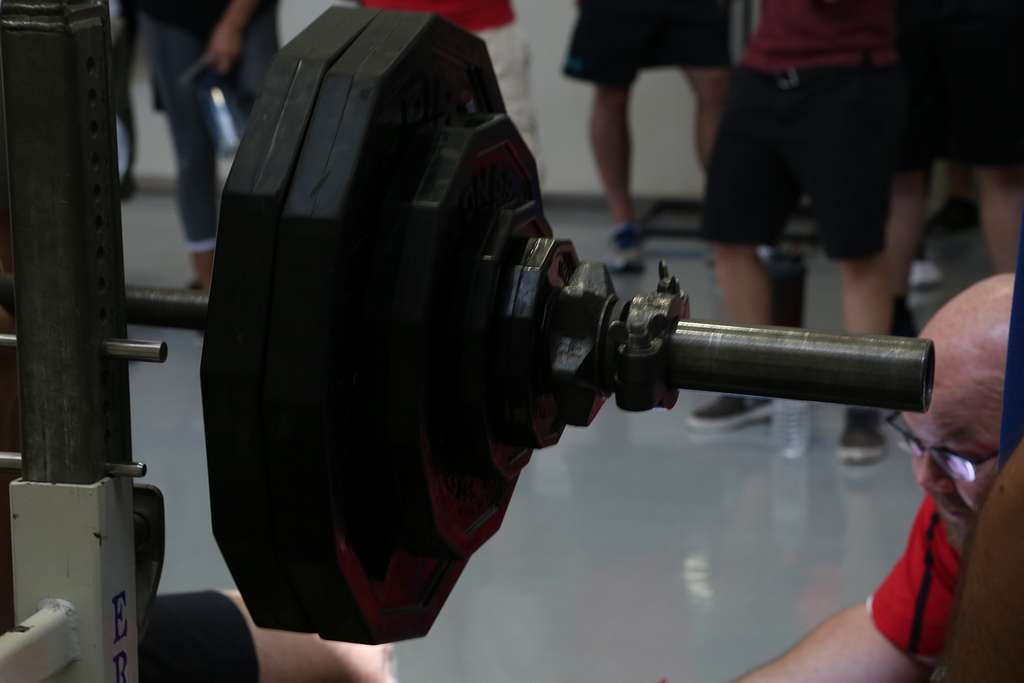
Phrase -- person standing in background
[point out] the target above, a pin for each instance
(124, 28)
(238, 39)
(964, 64)
(815, 109)
(494, 21)
(612, 42)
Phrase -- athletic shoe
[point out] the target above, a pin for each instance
(726, 413)
(925, 274)
(627, 256)
(862, 442)
(956, 215)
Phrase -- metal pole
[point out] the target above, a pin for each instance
(123, 349)
(883, 372)
(157, 307)
(67, 238)
(132, 470)
(72, 526)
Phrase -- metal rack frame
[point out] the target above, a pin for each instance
(72, 522)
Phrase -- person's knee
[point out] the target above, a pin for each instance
(1000, 178)
(196, 160)
(724, 253)
(611, 98)
(909, 185)
(710, 86)
(864, 268)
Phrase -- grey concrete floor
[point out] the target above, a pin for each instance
(633, 551)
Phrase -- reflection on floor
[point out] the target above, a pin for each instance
(632, 552)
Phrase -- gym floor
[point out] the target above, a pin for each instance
(633, 551)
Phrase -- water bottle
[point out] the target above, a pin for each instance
(791, 427)
(222, 113)
(791, 420)
(219, 103)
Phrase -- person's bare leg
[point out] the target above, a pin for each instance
(286, 657)
(202, 266)
(1001, 195)
(867, 295)
(612, 145)
(959, 181)
(905, 228)
(711, 90)
(745, 283)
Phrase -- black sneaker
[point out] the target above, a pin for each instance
(729, 412)
(956, 215)
(862, 442)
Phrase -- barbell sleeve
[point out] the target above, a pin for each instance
(779, 362)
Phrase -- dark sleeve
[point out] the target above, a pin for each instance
(199, 638)
(1013, 393)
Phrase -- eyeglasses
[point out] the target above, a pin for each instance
(957, 465)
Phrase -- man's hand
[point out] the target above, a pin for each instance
(225, 47)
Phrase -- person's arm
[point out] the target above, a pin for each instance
(845, 649)
(225, 43)
(986, 642)
(285, 657)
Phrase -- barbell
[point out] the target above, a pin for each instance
(393, 329)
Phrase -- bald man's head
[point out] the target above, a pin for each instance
(971, 335)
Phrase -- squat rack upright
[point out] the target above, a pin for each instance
(72, 525)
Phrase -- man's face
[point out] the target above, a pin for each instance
(962, 431)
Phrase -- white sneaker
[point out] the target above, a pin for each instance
(925, 274)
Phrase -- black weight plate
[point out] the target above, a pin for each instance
(235, 342)
(469, 341)
(396, 85)
(473, 176)
(506, 212)
(522, 400)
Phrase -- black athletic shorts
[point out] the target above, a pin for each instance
(966, 85)
(199, 638)
(830, 133)
(612, 43)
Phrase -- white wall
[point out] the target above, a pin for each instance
(665, 164)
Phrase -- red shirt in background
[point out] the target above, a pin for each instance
(912, 607)
(795, 34)
(472, 15)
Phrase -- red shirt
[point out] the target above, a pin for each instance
(794, 34)
(472, 15)
(912, 607)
